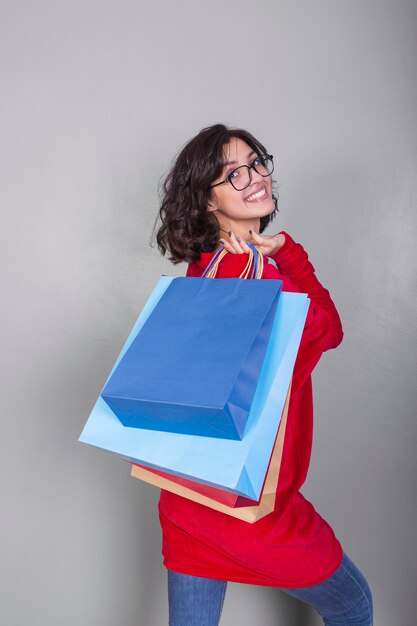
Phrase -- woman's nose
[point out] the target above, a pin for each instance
(255, 177)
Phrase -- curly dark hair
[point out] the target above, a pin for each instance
(187, 227)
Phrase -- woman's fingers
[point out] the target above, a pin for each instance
(235, 242)
(235, 245)
(256, 239)
(228, 246)
(245, 246)
(267, 244)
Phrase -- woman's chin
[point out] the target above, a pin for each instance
(263, 208)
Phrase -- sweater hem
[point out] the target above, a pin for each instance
(256, 580)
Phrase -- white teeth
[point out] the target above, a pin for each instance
(257, 195)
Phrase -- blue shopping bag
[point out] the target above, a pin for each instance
(238, 466)
(194, 365)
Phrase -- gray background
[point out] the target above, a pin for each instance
(97, 97)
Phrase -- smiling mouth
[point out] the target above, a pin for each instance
(262, 194)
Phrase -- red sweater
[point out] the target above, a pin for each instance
(293, 546)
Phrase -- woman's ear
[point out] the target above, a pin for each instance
(211, 206)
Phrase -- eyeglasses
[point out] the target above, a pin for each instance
(241, 177)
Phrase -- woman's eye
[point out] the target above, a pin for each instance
(234, 174)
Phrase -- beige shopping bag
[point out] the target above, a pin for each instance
(249, 514)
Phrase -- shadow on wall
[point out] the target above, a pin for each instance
(266, 606)
(295, 612)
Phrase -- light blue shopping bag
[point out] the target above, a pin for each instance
(238, 466)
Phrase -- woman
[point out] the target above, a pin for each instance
(219, 193)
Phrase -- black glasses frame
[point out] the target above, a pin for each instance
(249, 168)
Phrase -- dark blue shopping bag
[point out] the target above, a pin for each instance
(194, 366)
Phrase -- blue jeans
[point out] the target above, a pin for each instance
(344, 599)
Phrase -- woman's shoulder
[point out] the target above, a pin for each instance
(197, 267)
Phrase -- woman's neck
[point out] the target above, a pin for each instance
(240, 228)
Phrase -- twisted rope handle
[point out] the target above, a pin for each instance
(253, 269)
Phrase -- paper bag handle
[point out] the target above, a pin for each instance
(252, 270)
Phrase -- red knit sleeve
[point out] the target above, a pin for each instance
(293, 262)
(323, 328)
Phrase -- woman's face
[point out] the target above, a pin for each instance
(251, 203)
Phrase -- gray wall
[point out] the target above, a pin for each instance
(96, 99)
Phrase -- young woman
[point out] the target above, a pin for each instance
(219, 193)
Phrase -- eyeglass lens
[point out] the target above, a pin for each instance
(241, 177)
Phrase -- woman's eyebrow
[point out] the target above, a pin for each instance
(247, 157)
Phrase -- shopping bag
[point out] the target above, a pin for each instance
(194, 366)
(235, 465)
(231, 504)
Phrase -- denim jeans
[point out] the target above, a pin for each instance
(344, 599)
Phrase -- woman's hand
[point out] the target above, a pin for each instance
(267, 245)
